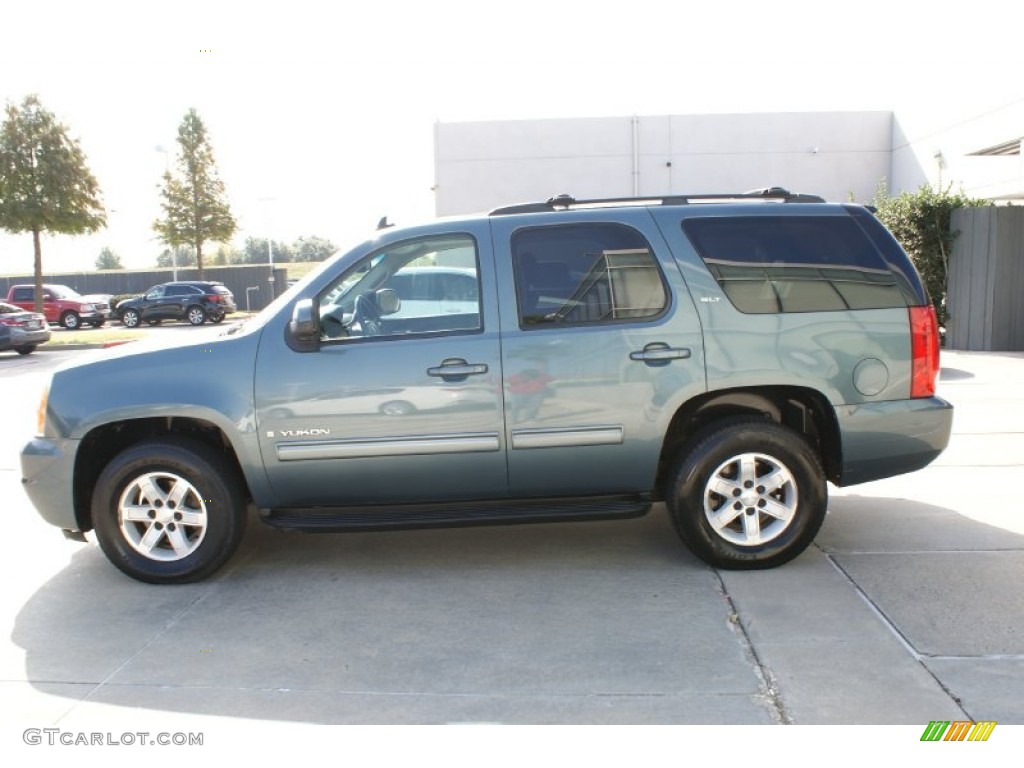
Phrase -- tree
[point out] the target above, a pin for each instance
(314, 249)
(108, 260)
(183, 256)
(45, 184)
(921, 222)
(255, 252)
(195, 208)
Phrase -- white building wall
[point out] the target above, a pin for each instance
(937, 147)
(838, 155)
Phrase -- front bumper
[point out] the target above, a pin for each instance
(47, 475)
(891, 438)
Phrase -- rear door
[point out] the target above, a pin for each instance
(600, 346)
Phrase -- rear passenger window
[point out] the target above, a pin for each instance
(586, 273)
(771, 264)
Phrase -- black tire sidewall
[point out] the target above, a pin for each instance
(211, 477)
(188, 315)
(131, 313)
(717, 445)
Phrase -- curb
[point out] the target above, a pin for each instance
(85, 345)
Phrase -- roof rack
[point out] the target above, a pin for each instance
(565, 202)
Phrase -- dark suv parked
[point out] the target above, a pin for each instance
(726, 354)
(193, 300)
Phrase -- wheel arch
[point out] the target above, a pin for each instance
(804, 410)
(104, 442)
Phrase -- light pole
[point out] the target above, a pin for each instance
(270, 247)
(167, 175)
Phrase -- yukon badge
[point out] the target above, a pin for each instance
(301, 433)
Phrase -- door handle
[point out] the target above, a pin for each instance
(657, 353)
(457, 368)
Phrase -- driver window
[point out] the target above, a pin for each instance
(417, 287)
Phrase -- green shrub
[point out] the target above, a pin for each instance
(921, 223)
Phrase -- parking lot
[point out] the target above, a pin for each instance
(906, 610)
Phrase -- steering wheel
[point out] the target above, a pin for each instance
(366, 313)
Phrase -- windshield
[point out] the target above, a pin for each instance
(63, 292)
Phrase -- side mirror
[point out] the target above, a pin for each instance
(303, 331)
(388, 301)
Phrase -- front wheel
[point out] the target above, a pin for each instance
(747, 494)
(195, 316)
(130, 318)
(168, 511)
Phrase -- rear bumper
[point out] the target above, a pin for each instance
(23, 338)
(47, 475)
(891, 438)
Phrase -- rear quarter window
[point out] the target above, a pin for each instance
(777, 264)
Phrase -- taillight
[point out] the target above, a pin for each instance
(214, 297)
(924, 350)
(9, 321)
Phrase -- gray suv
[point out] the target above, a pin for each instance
(726, 354)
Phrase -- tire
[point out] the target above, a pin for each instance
(195, 315)
(26, 350)
(98, 324)
(136, 511)
(71, 320)
(397, 408)
(218, 318)
(131, 318)
(747, 494)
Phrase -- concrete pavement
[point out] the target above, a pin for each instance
(906, 610)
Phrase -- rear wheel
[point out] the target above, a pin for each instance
(748, 494)
(26, 350)
(195, 316)
(168, 511)
(218, 318)
(70, 320)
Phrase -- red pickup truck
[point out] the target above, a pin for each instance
(60, 305)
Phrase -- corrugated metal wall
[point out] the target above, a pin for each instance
(236, 279)
(985, 294)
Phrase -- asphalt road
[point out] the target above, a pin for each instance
(906, 610)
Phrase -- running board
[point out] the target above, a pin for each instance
(459, 514)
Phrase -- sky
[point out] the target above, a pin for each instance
(321, 115)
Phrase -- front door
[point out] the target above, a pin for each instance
(391, 407)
